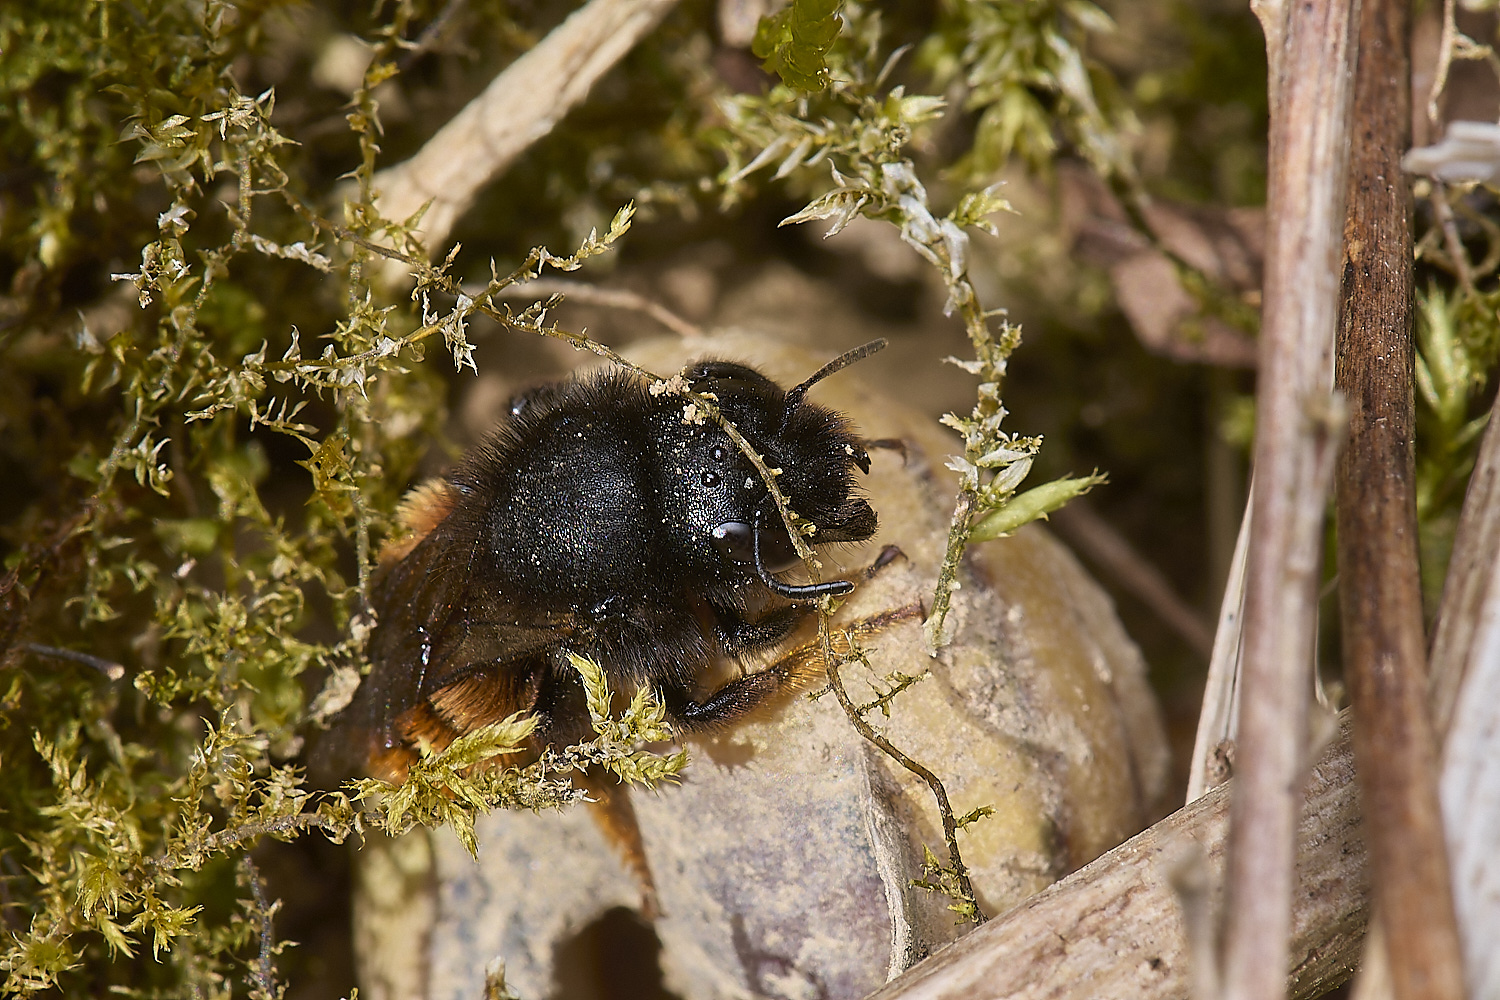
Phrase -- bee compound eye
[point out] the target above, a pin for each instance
(735, 539)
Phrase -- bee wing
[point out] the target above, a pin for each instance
(416, 600)
(487, 665)
(449, 651)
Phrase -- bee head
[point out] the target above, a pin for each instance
(815, 450)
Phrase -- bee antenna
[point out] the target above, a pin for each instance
(806, 591)
(794, 396)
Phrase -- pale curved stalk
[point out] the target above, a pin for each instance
(1220, 715)
(521, 105)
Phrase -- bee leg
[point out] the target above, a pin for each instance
(799, 670)
(887, 444)
(614, 813)
(742, 698)
(888, 555)
(737, 636)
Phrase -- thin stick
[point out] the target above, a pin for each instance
(263, 969)
(593, 295)
(1294, 450)
(1380, 598)
(1446, 45)
(1457, 255)
(1107, 547)
(522, 104)
(1115, 928)
(432, 34)
(1219, 719)
(108, 668)
(934, 784)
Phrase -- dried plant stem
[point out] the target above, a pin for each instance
(263, 969)
(521, 105)
(939, 793)
(108, 668)
(1094, 537)
(1385, 663)
(192, 853)
(1446, 45)
(1219, 718)
(1452, 243)
(610, 298)
(1465, 692)
(1476, 550)
(1294, 447)
(1272, 17)
(1471, 801)
(1116, 927)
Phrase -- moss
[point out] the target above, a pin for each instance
(210, 407)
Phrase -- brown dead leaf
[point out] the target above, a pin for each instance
(1226, 246)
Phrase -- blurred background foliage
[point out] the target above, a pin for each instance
(186, 521)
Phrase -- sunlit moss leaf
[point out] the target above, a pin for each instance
(794, 42)
(1007, 56)
(1014, 122)
(115, 936)
(1030, 506)
(165, 922)
(974, 815)
(975, 208)
(596, 689)
(100, 887)
(503, 737)
(35, 961)
(942, 880)
(646, 717)
(449, 786)
(1089, 16)
(330, 468)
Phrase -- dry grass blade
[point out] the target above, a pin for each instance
(1476, 547)
(1470, 791)
(1465, 677)
(1219, 718)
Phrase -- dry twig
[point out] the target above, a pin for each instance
(933, 782)
(592, 295)
(1379, 586)
(521, 105)
(109, 668)
(264, 985)
(1219, 719)
(1294, 448)
(1115, 928)
(1094, 537)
